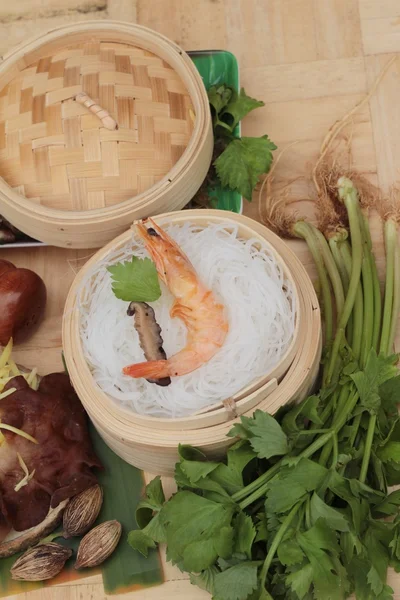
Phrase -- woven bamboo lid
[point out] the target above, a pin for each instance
(57, 153)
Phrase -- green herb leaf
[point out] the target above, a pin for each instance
(200, 553)
(141, 542)
(308, 408)
(292, 484)
(240, 430)
(243, 162)
(230, 476)
(389, 449)
(264, 433)
(245, 534)
(395, 543)
(379, 559)
(236, 583)
(350, 544)
(332, 517)
(155, 497)
(390, 394)
(194, 542)
(390, 505)
(378, 370)
(227, 563)
(195, 470)
(319, 544)
(341, 487)
(152, 502)
(290, 553)
(135, 280)
(152, 531)
(238, 107)
(300, 581)
(219, 97)
(205, 580)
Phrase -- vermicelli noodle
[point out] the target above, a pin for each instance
(259, 301)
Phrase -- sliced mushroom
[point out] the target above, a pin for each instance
(150, 338)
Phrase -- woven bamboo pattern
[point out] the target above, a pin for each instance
(55, 152)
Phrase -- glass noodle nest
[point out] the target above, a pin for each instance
(260, 305)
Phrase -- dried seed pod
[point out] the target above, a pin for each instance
(41, 562)
(98, 544)
(82, 511)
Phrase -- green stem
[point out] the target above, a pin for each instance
(345, 392)
(396, 298)
(329, 408)
(354, 429)
(390, 244)
(317, 444)
(348, 194)
(339, 421)
(334, 243)
(332, 270)
(260, 490)
(368, 294)
(343, 397)
(376, 286)
(277, 540)
(390, 315)
(312, 431)
(307, 512)
(257, 483)
(335, 451)
(342, 418)
(259, 487)
(304, 230)
(358, 311)
(368, 447)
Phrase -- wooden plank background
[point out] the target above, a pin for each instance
(309, 60)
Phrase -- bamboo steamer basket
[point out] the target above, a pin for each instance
(151, 443)
(65, 178)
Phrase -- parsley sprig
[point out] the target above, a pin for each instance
(238, 162)
(135, 280)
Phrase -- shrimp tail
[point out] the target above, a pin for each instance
(155, 371)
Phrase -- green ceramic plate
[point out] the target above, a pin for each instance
(215, 67)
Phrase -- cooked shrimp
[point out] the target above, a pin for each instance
(194, 304)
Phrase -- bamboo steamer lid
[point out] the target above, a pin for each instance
(151, 443)
(69, 177)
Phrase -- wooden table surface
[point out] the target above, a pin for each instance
(309, 60)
